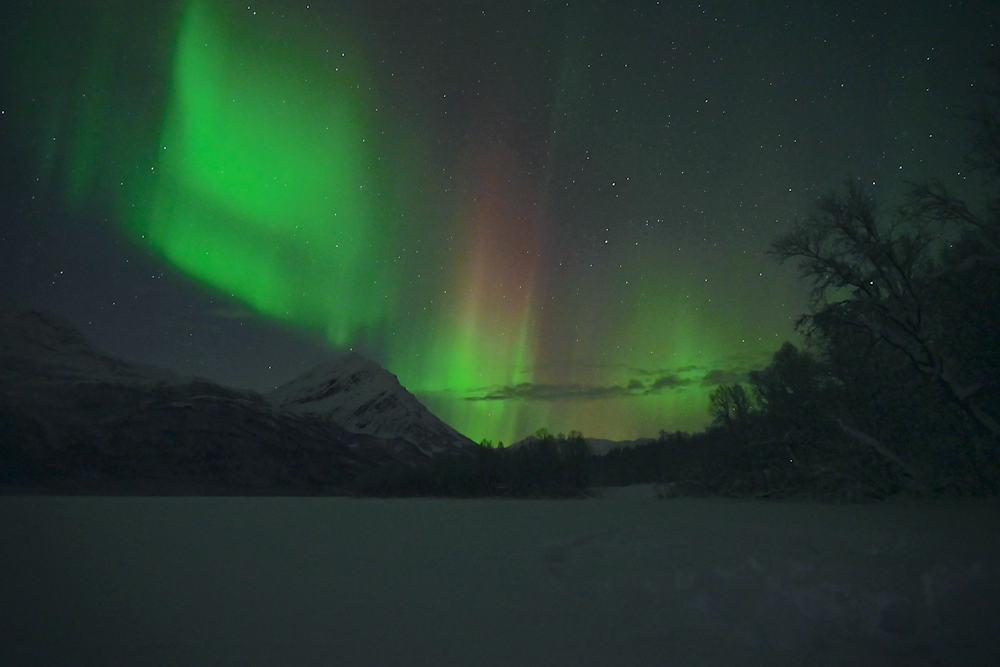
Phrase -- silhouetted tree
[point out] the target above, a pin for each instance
(905, 318)
(794, 388)
(887, 279)
(731, 407)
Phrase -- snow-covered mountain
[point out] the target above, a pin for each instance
(73, 418)
(362, 397)
(43, 345)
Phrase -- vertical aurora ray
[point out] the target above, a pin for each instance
(667, 345)
(266, 185)
(486, 334)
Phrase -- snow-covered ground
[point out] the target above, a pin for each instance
(621, 580)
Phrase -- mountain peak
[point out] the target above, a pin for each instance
(362, 397)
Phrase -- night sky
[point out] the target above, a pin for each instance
(535, 214)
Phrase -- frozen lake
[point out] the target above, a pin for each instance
(623, 580)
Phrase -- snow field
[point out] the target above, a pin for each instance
(621, 580)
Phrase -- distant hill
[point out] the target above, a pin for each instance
(74, 419)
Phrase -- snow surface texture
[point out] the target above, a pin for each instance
(625, 581)
(363, 397)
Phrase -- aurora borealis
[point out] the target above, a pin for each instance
(533, 213)
(261, 186)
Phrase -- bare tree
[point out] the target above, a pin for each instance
(730, 407)
(885, 277)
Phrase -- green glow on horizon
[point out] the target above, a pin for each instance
(263, 182)
(474, 359)
(667, 332)
(476, 344)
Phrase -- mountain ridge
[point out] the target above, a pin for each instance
(74, 419)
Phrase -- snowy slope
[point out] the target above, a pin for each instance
(74, 419)
(362, 397)
(42, 345)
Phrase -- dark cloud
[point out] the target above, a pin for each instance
(717, 377)
(669, 382)
(528, 391)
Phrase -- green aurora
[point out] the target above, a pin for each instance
(261, 181)
(272, 172)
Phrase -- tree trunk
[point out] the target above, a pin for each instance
(883, 451)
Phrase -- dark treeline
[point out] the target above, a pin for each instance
(545, 466)
(895, 390)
